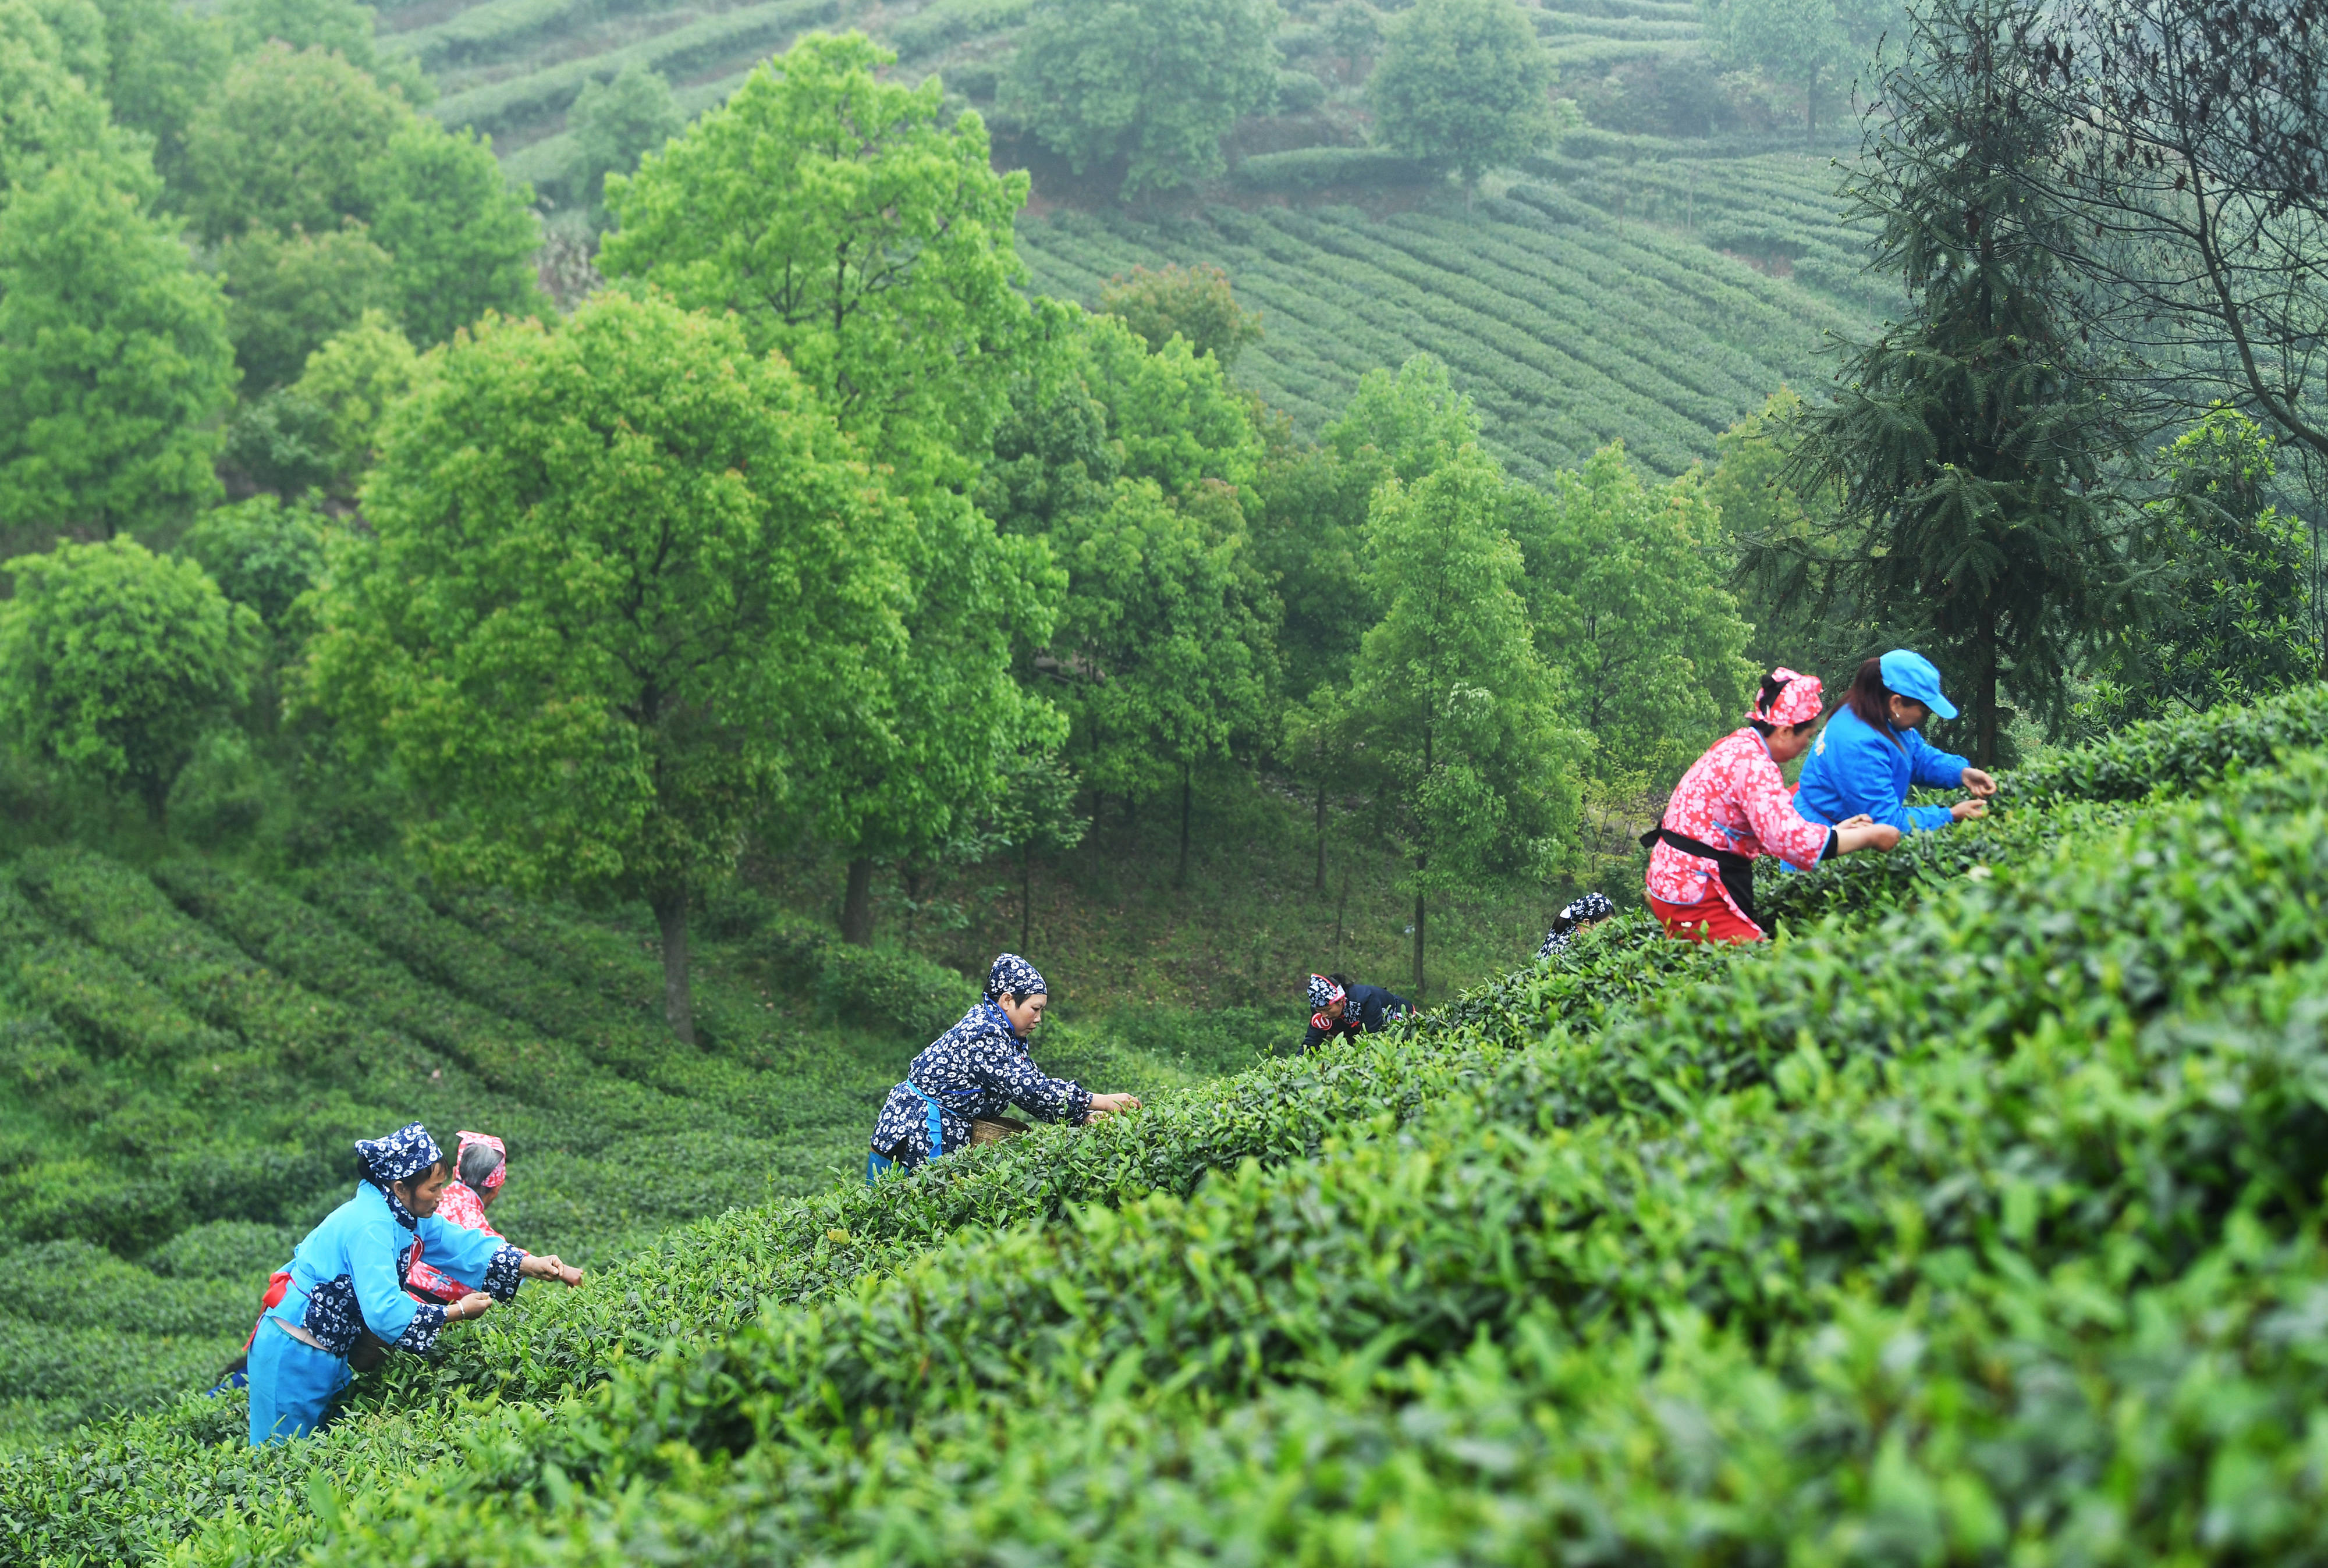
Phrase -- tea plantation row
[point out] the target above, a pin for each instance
(1567, 327)
(1869, 1233)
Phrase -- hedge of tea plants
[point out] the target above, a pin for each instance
(186, 1055)
(1976, 1219)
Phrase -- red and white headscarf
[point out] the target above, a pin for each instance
(500, 1171)
(1323, 993)
(1797, 703)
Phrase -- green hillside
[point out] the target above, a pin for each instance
(1569, 326)
(1630, 286)
(1983, 1209)
(188, 1054)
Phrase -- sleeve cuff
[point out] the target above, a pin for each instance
(1832, 847)
(502, 1275)
(419, 1336)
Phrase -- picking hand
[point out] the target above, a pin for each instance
(475, 1305)
(546, 1267)
(1964, 808)
(1862, 820)
(1111, 1105)
(1979, 783)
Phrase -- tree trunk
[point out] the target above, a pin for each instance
(1983, 693)
(1025, 898)
(1418, 936)
(1341, 908)
(857, 904)
(1321, 835)
(1811, 107)
(1181, 877)
(678, 1002)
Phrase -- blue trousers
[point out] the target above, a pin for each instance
(291, 1385)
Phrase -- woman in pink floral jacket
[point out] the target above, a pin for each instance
(1733, 806)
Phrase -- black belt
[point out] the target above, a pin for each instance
(1737, 870)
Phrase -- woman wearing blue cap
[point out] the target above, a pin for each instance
(1871, 753)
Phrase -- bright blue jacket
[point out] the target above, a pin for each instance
(349, 1273)
(1854, 767)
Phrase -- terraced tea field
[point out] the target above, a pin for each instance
(1570, 324)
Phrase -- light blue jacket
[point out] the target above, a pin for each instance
(1854, 767)
(349, 1273)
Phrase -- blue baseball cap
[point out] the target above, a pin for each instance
(1917, 679)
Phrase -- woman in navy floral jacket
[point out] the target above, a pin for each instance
(979, 1067)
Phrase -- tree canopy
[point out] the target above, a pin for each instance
(114, 358)
(616, 123)
(1197, 302)
(845, 225)
(1463, 84)
(605, 558)
(1153, 88)
(113, 662)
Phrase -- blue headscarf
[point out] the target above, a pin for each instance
(1591, 907)
(1013, 974)
(399, 1157)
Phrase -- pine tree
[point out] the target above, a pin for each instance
(1970, 441)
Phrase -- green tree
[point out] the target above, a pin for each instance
(162, 61)
(2229, 621)
(287, 144)
(351, 382)
(114, 660)
(1768, 523)
(115, 363)
(1171, 415)
(1465, 85)
(843, 224)
(462, 238)
(1970, 441)
(1195, 302)
(263, 553)
(625, 582)
(616, 123)
(287, 294)
(1631, 615)
(1164, 649)
(1152, 88)
(1802, 44)
(51, 113)
(1449, 704)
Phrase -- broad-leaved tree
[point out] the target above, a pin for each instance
(1465, 85)
(625, 584)
(114, 660)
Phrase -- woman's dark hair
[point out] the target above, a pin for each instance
(1772, 686)
(1341, 980)
(1871, 699)
(478, 1163)
(1018, 998)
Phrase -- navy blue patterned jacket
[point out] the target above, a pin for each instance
(979, 1067)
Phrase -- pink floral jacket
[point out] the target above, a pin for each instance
(1735, 798)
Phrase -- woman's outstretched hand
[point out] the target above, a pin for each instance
(1979, 783)
(546, 1267)
(1109, 1106)
(1964, 808)
(1855, 834)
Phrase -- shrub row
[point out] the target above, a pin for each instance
(2063, 1087)
(725, 35)
(1308, 169)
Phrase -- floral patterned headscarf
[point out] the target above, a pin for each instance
(1799, 701)
(399, 1157)
(1012, 973)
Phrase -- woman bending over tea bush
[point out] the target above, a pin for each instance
(1732, 806)
(977, 1069)
(1339, 1008)
(350, 1278)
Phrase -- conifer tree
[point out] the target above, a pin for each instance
(1970, 440)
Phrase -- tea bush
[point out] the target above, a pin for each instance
(1975, 1216)
(1902, 1215)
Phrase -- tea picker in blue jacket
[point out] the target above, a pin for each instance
(1872, 752)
